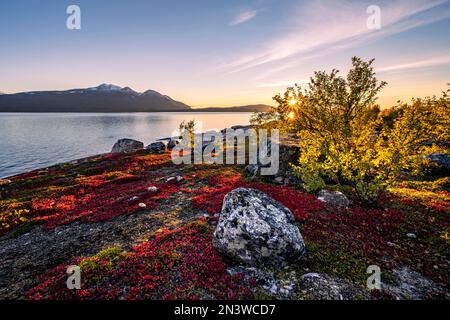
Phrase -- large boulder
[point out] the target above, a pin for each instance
(255, 230)
(333, 199)
(156, 147)
(127, 146)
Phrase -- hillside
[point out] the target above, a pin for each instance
(104, 98)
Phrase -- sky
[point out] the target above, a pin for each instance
(222, 52)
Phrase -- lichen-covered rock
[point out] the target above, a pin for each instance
(256, 230)
(411, 285)
(315, 286)
(334, 199)
(127, 146)
(156, 147)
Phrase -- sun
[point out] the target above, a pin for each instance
(292, 102)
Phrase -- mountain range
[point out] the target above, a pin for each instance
(103, 98)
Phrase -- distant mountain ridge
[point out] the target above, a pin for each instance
(248, 108)
(104, 98)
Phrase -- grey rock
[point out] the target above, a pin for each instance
(411, 235)
(255, 230)
(315, 286)
(156, 147)
(252, 170)
(440, 159)
(411, 285)
(127, 146)
(274, 285)
(334, 199)
(172, 144)
(279, 180)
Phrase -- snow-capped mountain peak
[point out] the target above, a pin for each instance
(106, 87)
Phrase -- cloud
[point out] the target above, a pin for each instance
(243, 17)
(285, 83)
(431, 62)
(322, 27)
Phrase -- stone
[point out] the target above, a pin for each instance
(156, 147)
(273, 284)
(315, 286)
(411, 285)
(255, 230)
(334, 199)
(439, 159)
(252, 170)
(152, 189)
(172, 144)
(142, 205)
(411, 235)
(127, 146)
(279, 180)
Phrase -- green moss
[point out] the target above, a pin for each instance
(350, 265)
(24, 228)
(112, 254)
(94, 268)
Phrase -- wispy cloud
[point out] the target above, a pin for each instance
(282, 84)
(325, 26)
(243, 17)
(431, 62)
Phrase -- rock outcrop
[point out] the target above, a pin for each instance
(127, 146)
(256, 230)
(315, 286)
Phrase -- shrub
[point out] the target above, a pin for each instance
(345, 138)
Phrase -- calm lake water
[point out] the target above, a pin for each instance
(34, 140)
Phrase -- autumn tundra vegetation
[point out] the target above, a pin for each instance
(141, 227)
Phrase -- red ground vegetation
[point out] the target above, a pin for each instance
(177, 264)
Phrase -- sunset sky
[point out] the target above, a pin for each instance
(222, 52)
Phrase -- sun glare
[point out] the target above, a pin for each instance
(291, 115)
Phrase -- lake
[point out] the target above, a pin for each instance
(34, 140)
